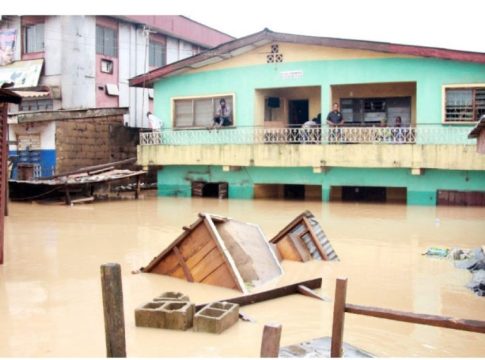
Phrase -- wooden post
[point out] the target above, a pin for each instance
(338, 317)
(270, 345)
(114, 322)
(138, 187)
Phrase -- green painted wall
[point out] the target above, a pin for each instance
(176, 180)
(429, 75)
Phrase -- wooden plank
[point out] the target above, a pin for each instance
(289, 227)
(338, 317)
(86, 199)
(287, 250)
(221, 277)
(309, 292)
(90, 168)
(114, 320)
(166, 265)
(200, 254)
(271, 294)
(211, 262)
(94, 172)
(424, 319)
(220, 244)
(197, 238)
(300, 247)
(270, 344)
(182, 263)
(315, 239)
(154, 263)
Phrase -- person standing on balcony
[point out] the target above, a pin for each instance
(335, 119)
(223, 114)
(154, 122)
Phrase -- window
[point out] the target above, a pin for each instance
(36, 105)
(464, 104)
(200, 112)
(34, 38)
(156, 55)
(106, 43)
(106, 66)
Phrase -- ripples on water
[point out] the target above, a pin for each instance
(50, 300)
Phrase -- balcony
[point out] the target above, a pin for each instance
(424, 134)
(425, 146)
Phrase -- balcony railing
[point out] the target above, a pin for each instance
(423, 134)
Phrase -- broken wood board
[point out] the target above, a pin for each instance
(271, 294)
(219, 251)
(303, 239)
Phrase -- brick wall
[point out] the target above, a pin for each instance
(93, 141)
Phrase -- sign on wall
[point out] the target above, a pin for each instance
(22, 73)
(7, 45)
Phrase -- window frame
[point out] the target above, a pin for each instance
(164, 52)
(102, 52)
(469, 86)
(201, 97)
(25, 42)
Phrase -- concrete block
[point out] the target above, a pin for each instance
(150, 315)
(175, 315)
(172, 296)
(216, 317)
(179, 315)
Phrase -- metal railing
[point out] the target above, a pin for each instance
(422, 134)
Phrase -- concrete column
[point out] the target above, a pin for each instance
(427, 198)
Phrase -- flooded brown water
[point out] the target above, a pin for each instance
(50, 295)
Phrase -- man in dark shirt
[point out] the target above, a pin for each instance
(335, 120)
(334, 117)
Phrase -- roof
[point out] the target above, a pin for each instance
(9, 96)
(53, 115)
(242, 45)
(478, 128)
(303, 239)
(219, 251)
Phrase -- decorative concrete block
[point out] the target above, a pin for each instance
(175, 315)
(150, 315)
(172, 296)
(216, 317)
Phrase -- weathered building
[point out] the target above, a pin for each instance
(275, 82)
(84, 62)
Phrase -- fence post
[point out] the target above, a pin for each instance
(114, 322)
(338, 317)
(270, 345)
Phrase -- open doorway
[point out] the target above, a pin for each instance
(298, 112)
(209, 189)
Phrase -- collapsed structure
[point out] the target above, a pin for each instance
(219, 251)
(225, 252)
(303, 239)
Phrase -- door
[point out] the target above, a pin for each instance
(297, 112)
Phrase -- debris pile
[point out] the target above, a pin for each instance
(474, 261)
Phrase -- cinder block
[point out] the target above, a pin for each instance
(175, 315)
(216, 317)
(172, 296)
(179, 315)
(150, 315)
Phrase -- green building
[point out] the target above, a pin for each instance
(273, 83)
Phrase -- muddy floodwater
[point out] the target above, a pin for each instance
(50, 293)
